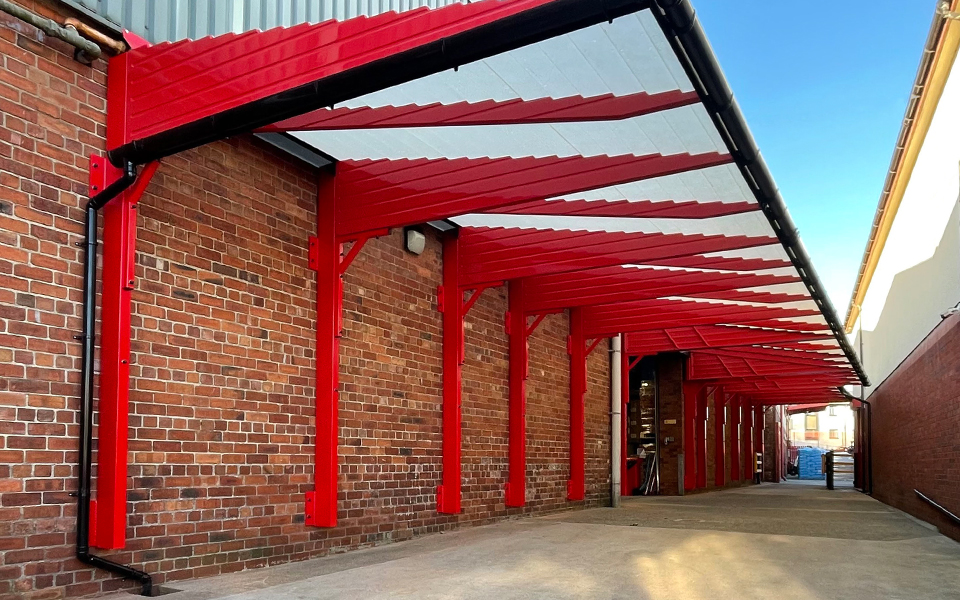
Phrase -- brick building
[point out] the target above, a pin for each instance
(903, 315)
(207, 452)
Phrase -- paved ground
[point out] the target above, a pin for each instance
(787, 541)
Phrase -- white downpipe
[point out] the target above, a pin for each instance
(616, 425)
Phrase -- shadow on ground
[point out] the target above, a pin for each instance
(773, 541)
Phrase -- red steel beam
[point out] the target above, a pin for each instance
(618, 284)
(119, 278)
(519, 370)
(778, 355)
(577, 346)
(635, 317)
(750, 296)
(773, 362)
(724, 263)
(498, 254)
(166, 98)
(706, 365)
(711, 336)
(665, 209)
(517, 111)
(392, 193)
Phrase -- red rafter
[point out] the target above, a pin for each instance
(616, 284)
(489, 112)
(392, 193)
(154, 89)
(675, 339)
(665, 209)
(498, 254)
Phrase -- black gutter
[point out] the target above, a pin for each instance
(680, 25)
(86, 390)
(529, 27)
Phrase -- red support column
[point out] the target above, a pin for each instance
(719, 402)
(516, 488)
(746, 437)
(746, 440)
(702, 439)
(451, 304)
(758, 424)
(578, 386)
(735, 438)
(624, 418)
(778, 465)
(321, 504)
(119, 272)
(691, 391)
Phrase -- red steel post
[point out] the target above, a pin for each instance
(778, 450)
(719, 419)
(746, 440)
(758, 425)
(519, 360)
(119, 278)
(321, 504)
(624, 419)
(735, 438)
(690, 392)
(701, 440)
(448, 492)
(578, 387)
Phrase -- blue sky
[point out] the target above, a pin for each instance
(823, 86)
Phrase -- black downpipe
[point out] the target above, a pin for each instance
(679, 23)
(86, 391)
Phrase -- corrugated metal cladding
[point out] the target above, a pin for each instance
(171, 20)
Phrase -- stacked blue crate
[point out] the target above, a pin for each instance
(810, 463)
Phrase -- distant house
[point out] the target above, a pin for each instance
(830, 427)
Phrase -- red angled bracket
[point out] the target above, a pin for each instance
(593, 344)
(119, 279)
(327, 258)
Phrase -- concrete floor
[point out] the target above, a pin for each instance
(786, 541)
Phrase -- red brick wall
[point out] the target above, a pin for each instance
(916, 430)
(223, 360)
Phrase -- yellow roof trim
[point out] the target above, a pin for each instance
(944, 57)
